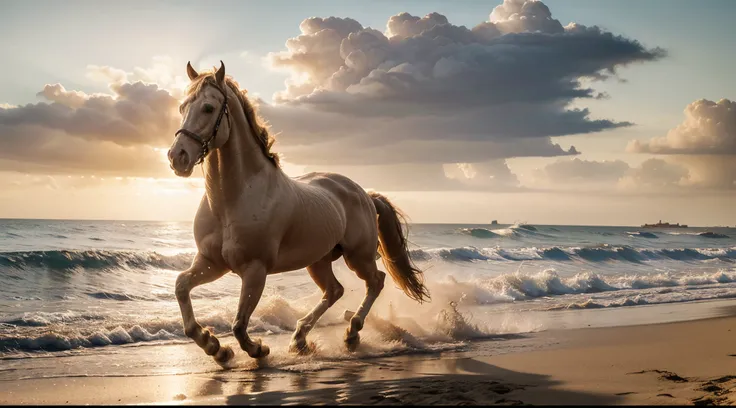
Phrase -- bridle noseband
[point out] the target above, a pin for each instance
(199, 139)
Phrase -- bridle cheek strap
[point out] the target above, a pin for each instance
(199, 139)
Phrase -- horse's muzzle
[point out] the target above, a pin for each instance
(181, 162)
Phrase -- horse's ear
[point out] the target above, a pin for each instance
(191, 72)
(220, 74)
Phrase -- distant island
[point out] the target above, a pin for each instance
(661, 224)
(494, 222)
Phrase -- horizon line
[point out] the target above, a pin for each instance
(410, 223)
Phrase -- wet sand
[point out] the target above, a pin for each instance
(690, 362)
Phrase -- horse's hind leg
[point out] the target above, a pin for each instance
(364, 266)
(323, 276)
(201, 272)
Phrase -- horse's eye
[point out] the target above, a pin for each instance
(208, 108)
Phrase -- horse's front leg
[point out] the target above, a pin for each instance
(253, 277)
(202, 271)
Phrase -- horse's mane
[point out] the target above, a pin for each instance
(258, 126)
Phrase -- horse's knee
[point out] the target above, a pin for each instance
(182, 286)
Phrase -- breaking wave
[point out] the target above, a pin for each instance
(64, 260)
(710, 234)
(52, 341)
(70, 330)
(525, 231)
(520, 231)
(520, 287)
(637, 300)
(589, 254)
(479, 232)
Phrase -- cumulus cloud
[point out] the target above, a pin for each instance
(425, 80)
(652, 174)
(715, 171)
(40, 150)
(704, 143)
(517, 16)
(162, 73)
(709, 128)
(490, 174)
(74, 132)
(135, 114)
(655, 173)
(434, 64)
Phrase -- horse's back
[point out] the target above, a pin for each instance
(358, 207)
(345, 189)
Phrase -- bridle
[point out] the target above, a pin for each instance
(199, 139)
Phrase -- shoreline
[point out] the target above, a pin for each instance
(664, 363)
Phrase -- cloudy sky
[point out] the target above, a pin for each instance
(595, 112)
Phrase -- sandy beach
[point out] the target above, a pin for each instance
(691, 362)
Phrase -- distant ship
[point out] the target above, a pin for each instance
(494, 222)
(661, 224)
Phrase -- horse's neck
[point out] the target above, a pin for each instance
(237, 165)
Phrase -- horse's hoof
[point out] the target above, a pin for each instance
(352, 342)
(224, 354)
(302, 348)
(212, 347)
(262, 350)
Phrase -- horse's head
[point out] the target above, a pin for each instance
(205, 121)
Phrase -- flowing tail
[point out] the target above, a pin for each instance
(394, 252)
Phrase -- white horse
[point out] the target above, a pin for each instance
(254, 220)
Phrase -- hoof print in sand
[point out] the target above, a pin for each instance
(665, 375)
(716, 391)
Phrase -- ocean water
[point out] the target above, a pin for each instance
(89, 287)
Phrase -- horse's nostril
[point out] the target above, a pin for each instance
(183, 157)
(170, 154)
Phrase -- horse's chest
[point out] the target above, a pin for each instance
(243, 243)
(235, 245)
